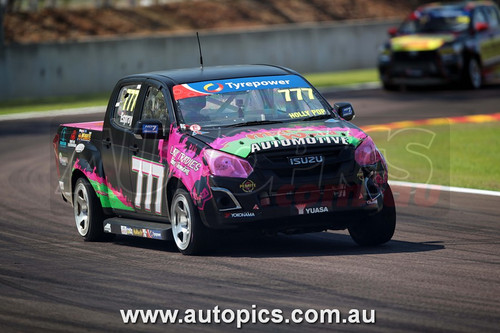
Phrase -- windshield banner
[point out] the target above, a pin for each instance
(237, 84)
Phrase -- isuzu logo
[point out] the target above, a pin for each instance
(303, 160)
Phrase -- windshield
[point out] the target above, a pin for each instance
(437, 20)
(251, 100)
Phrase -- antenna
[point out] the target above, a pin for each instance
(199, 47)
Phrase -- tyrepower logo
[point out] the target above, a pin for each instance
(210, 87)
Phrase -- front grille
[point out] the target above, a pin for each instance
(425, 56)
(338, 165)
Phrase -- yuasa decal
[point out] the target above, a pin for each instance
(150, 170)
(316, 210)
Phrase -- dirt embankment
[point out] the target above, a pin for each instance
(64, 25)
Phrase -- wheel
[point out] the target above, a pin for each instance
(473, 76)
(389, 87)
(189, 233)
(379, 228)
(88, 212)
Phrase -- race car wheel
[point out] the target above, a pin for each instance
(189, 233)
(88, 211)
(379, 228)
(473, 76)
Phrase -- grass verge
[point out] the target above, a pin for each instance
(463, 155)
(53, 103)
(78, 101)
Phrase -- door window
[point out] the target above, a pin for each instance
(155, 107)
(125, 105)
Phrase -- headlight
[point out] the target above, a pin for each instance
(384, 53)
(451, 52)
(226, 165)
(367, 153)
(368, 157)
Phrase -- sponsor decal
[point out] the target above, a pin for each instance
(248, 186)
(209, 87)
(347, 111)
(304, 160)
(62, 142)
(84, 135)
(79, 148)
(149, 129)
(184, 163)
(126, 230)
(138, 232)
(307, 113)
(238, 84)
(296, 142)
(256, 207)
(107, 227)
(195, 128)
(240, 215)
(316, 210)
(72, 139)
(63, 160)
(154, 234)
(126, 120)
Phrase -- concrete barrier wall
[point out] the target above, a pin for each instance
(56, 69)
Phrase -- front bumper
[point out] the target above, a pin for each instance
(290, 208)
(421, 68)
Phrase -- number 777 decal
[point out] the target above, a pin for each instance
(151, 170)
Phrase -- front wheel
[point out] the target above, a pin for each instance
(379, 228)
(88, 211)
(473, 76)
(189, 233)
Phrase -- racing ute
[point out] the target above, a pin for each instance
(442, 43)
(184, 153)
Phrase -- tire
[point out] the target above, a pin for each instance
(190, 234)
(389, 87)
(473, 78)
(88, 212)
(379, 228)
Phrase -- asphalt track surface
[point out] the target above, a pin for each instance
(440, 273)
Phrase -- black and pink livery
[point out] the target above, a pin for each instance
(185, 153)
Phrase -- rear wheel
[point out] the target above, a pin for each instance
(88, 211)
(189, 233)
(379, 228)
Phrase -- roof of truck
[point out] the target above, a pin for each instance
(180, 76)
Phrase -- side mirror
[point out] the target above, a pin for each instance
(393, 31)
(344, 110)
(149, 129)
(481, 26)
